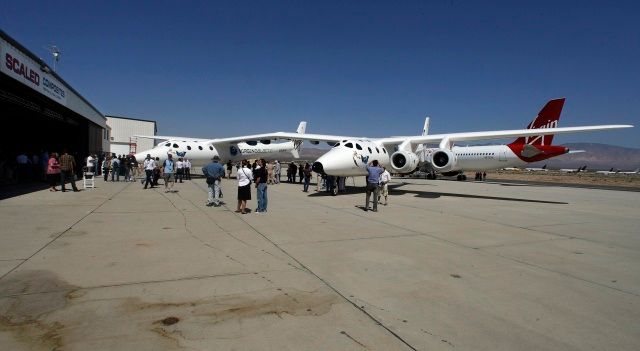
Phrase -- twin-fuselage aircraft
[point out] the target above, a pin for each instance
(350, 155)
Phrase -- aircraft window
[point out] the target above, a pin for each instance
(167, 144)
(199, 147)
(176, 146)
(344, 141)
(210, 147)
(188, 147)
(377, 150)
(349, 145)
(370, 150)
(358, 147)
(336, 145)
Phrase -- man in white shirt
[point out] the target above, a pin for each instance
(385, 178)
(187, 169)
(90, 165)
(179, 170)
(149, 165)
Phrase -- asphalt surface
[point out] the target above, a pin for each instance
(443, 266)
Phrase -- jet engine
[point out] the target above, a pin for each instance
(404, 162)
(443, 160)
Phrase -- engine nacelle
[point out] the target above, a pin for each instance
(443, 160)
(404, 162)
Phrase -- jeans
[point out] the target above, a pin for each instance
(64, 175)
(372, 187)
(307, 180)
(148, 180)
(214, 193)
(262, 197)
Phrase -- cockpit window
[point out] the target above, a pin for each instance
(358, 147)
(349, 145)
(370, 150)
(167, 144)
(336, 145)
(176, 146)
(377, 150)
(383, 150)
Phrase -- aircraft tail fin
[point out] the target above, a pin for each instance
(301, 127)
(425, 129)
(548, 117)
(297, 144)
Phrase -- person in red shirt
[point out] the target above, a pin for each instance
(53, 171)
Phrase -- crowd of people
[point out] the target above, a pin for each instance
(62, 169)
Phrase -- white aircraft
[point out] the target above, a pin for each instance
(201, 151)
(350, 155)
(537, 169)
(573, 170)
(611, 171)
(631, 172)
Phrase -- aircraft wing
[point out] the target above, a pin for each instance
(449, 139)
(313, 138)
(165, 137)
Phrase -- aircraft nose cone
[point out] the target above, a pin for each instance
(140, 157)
(317, 167)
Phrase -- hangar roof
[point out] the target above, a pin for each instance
(33, 72)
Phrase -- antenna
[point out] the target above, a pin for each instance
(55, 52)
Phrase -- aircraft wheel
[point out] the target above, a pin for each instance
(459, 177)
(464, 177)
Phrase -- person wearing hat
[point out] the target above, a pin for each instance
(214, 173)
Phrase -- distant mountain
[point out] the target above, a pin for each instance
(596, 157)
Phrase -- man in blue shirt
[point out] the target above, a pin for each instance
(214, 173)
(373, 178)
(168, 171)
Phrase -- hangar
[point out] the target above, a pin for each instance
(41, 111)
(123, 140)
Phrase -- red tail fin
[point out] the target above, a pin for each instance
(548, 117)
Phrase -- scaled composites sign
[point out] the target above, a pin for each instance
(22, 68)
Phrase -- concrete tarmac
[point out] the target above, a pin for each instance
(444, 266)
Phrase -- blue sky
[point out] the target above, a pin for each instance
(366, 68)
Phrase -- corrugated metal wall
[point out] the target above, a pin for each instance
(123, 129)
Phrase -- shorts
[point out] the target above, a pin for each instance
(385, 189)
(169, 177)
